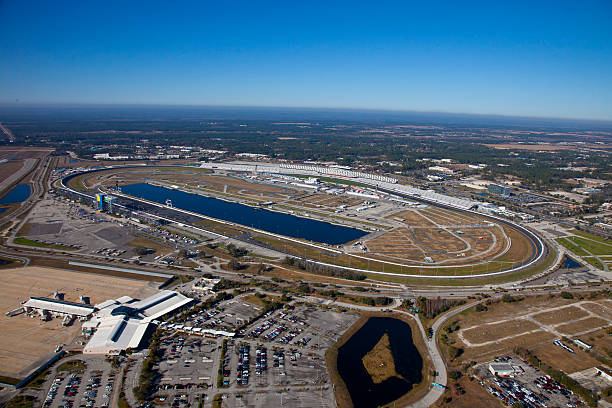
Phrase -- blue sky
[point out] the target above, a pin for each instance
(532, 58)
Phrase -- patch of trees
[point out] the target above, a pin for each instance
(235, 251)
(430, 308)
(375, 301)
(234, 265)
(226, 284)
(140, 250)
(325, 270)
(511, 299)
(145, 381)
(454, 352)
(481, 308)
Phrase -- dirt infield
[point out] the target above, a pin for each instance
(412, 218)
(25, 340)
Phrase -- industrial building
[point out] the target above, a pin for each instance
(503, 191)
(502, 369)
(122, 323)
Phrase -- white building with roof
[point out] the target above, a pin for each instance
(58, 307)
(122, 323)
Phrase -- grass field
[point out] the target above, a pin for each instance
(592, 237)
(594, 247)
(583, 325)
(594, 261)
(572, 247)
(29, 242)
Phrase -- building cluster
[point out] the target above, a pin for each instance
(114, 325)
(205, 284)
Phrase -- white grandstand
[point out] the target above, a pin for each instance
(382, 182)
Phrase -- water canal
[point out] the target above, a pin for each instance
(17, 194)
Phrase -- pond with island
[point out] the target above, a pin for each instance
(380, 362)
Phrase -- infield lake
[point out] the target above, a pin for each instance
(271, 221)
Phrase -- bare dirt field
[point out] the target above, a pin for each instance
(25, 340)
(10, 167)
(21, 153)
(412, 218)
(495, 331)
(582, 325)
(563, 359)
(560, 315)
(534, 323)
(534, 147)
(492, 350)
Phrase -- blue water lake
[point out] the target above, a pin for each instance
(17, 194)
(365, 393)
(271, 221)
(571, 264)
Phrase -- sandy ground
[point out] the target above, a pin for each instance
(25, 340)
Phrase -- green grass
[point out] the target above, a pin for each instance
(21, 401)
(75, 365)
(592, 237)
(29, 242)
(572, 247)
(270, 258)
(334, 180)
(593, 247)
(9, 380)
(39, 380)
(594, 261)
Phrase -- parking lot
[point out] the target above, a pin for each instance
(304, 326)
(227, 315)
(280, 356)
(188, 360)
(529, 386)
(92, 387)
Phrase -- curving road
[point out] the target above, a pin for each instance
(434, 352)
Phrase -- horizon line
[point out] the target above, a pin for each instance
(293, 107)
